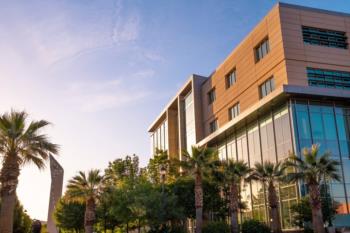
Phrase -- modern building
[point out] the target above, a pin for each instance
(284, 87)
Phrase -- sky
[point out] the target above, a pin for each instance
(101, 71)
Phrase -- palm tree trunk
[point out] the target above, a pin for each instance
(89, 219)
(234, 196)
(139, 226)
(316, 208)
(198, 192)
(274, 213)
(9, 180)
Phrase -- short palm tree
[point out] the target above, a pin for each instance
(233, 174)
(269, 174)
(21, 142)
(199, 163)
(313, 169)
(86, 188)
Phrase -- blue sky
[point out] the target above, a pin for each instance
(101, 71)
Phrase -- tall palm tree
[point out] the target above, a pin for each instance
(233, 174)
(21, 142)
(86, 188)
(269, 174)
(313, 169)
(199, 163)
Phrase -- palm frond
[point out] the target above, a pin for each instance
(85, 185)
(24, 141)
(312, 167)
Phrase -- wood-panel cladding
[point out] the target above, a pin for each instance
(249, 74)
(286, 61)
(299, 55)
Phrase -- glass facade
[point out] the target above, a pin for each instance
(190, 128)
(213, 126)
(267, 138)
(262, 49)
(324, 37)
(211, 96)
(159, 138)
(267, 87)
(233, 111)
(327, 124)
(230, 78)
(272, 136)
(328, 78)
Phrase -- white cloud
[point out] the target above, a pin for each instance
(124, 28)
(153, 56)
(64, 34)
(100, 95)
(99, 102)
(126, 31)
(145, 74)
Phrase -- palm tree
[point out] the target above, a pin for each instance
(233, 173)
(313, 169)
(20, 143)
(199, 163)
(269, 174)
(86, 188)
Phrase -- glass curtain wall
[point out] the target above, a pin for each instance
(267, 138)
(159, 138)
(284, 146)
(326, 124)
(189, 122)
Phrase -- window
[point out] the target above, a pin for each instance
(262, 49)
(267, 87)
(230, 78)
(159, 137)
(233, 111)
(328, 78)
(190, 129)
(211, 96)
(213, 126)
(324, 37)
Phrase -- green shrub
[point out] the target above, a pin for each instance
(254, 226)
(178, 229)
(168, 229)
(216, 227)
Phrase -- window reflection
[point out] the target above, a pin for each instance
(222, 152)
(231, 148)
(247, 201)
(340, 204)
(159, 138)
(242, 150)
(254, 144)
(249, 145)
(343, 123)
(258, 199)
(267, 140)
(283, 133)
(346, 167)
(328, 127)
(189, 121)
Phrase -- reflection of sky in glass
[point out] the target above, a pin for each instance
(189, 122)
(330, 131)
